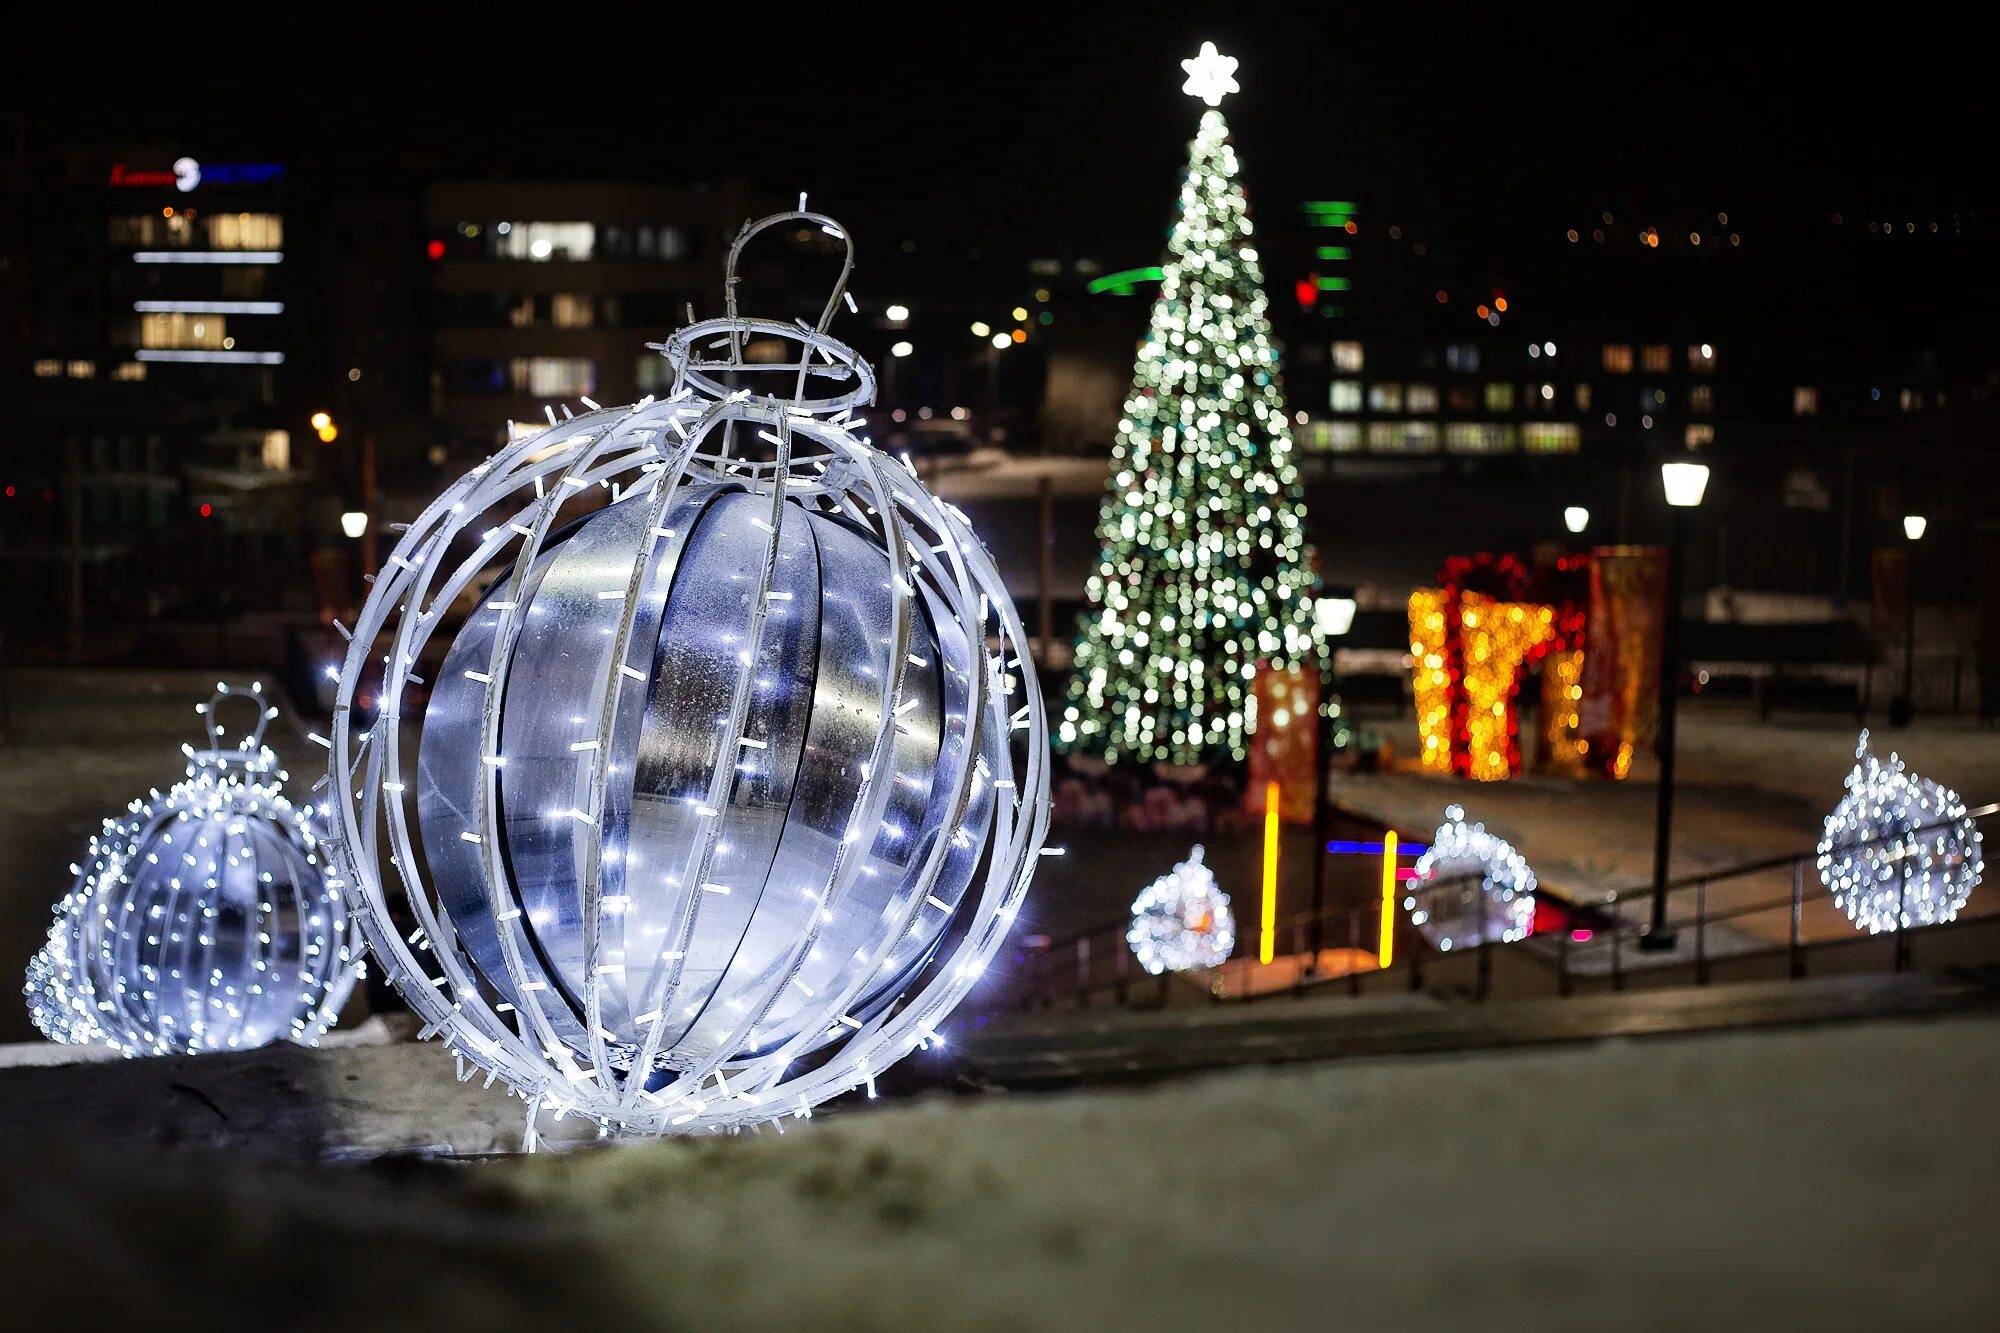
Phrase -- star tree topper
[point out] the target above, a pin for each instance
(1210, 75)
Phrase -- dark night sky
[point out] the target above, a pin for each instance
(1071, 121)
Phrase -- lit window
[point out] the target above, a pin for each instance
(570, 312)
(1651, 399)
(1618, 358)
(541, 241)
(1462, 398)
(1403, 437)
(277, 451)
(1347, 357)
(245, 231)
(1701, 399)
(553, 376)
(1805, 401)
(1656, 358)
(1346, 396)
(1700, 433)
(82, 370)
(1583, 397)
(1479, 437)
(163, 332)
(1701, 358)
(129, 371)
(1332, 437)
(1550, 437)
(1421, 398)
(1910, 400)
(1385, 398)
(1499, 396)
(48, 369)
(1463, 357)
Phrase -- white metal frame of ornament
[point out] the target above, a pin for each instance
(1161, 935)
(1898, 851)
(1505, 897)
(785, 449)
(92, 983)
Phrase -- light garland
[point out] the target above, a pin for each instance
(733, 783)
(1200, 576)
(1463, 865)
(1899, 851)
(1182, 920)
(202, 920)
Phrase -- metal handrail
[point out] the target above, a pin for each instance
(1611, 938)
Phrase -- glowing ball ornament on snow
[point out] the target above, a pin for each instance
(1182, 920)
(1899, 850)
(1471, 886)
(734, 779)
(203, 920)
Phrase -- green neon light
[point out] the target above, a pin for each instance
(1127, 279)
(1332, 252)
(1333, 284)
(1328, 206)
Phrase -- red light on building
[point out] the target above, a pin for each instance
(435, 249)
(207, 511)
(10, 492)
(1306, 289)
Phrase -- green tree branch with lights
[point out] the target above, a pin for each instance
(1201, 574)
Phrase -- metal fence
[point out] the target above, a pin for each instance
(1599, 949)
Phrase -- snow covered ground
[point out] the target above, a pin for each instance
(1828, 1178)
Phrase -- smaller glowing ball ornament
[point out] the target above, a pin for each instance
(203, 919)
(1182, 920)
(1471, 885)
(1899, 850)
(731, 783)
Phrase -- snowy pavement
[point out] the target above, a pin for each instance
(1830, 1178)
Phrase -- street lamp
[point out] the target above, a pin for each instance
(1684, 482)
(1333, 616)
(1904, 706)
(354, 523)
(1576, 518)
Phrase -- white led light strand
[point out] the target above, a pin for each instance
(203, 920)
(1201, 576)
(1899, 850)
(720, 793)
(1469, 878)
(1182, 920)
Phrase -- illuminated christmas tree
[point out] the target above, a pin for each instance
(1201, 577)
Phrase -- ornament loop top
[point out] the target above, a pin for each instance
(836, 361)
(250, 752)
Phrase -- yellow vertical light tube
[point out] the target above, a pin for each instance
(1385, 947)
(1267, 938)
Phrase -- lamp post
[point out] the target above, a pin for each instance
(1904, 706)
(1684, 482)
(1333, 614)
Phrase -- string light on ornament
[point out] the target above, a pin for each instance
(203, 919)
(1182, 920)
(1470, 885)
(1201, 574)
(732, 784)
(1899, 851)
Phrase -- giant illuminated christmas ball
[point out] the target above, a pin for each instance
(1470, 886)
(1899, 850)
(1182, 920)
(203, 919)
(730, 783)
